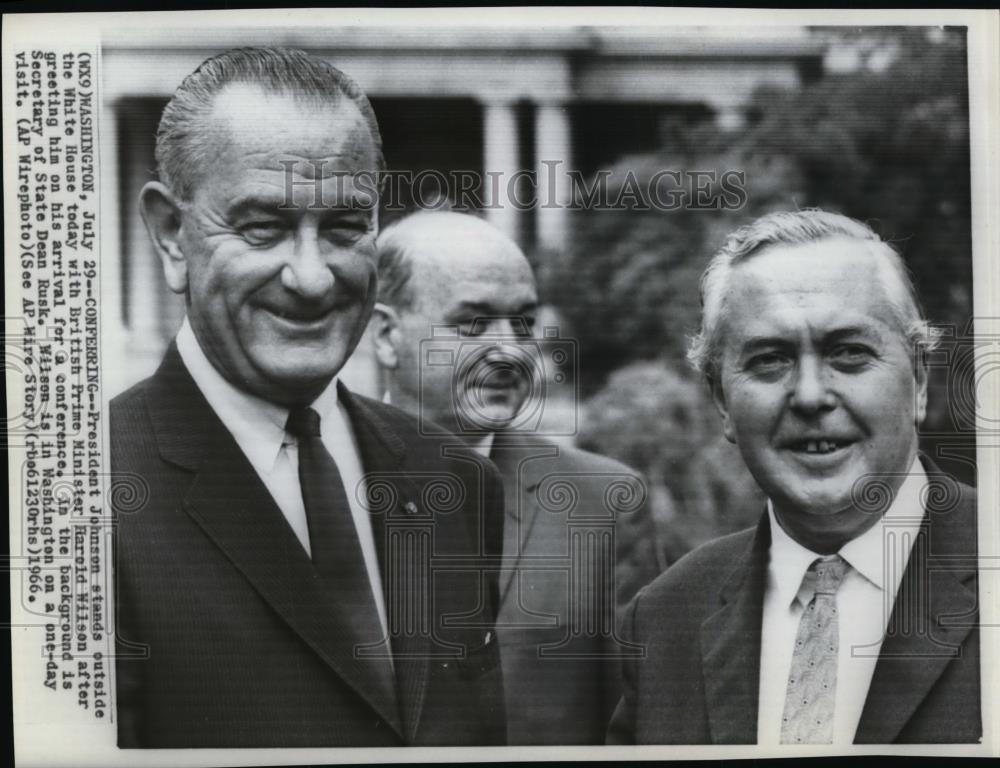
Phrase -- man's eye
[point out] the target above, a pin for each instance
(345, 233)
(345, 230)
(263, 230)
(524, 325)
(767, 362)
(471, 328)
(851, 355)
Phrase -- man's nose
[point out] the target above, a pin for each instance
(307, 271)
(501, 331)
(810, 389)
(508, 327)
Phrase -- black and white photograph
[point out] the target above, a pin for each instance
(567, 382)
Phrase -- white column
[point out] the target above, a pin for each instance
(554, 158)
(501, 161)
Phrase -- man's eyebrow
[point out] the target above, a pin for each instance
(255, 202)
(757, 343)
(484, 309)
(277, 204)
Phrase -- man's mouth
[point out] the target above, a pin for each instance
(495, 384)
(818, 446)
(301, 316)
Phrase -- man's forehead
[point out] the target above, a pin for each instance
(321, 136)
(851, 273)
(460, 263)
(819, 264)
(465, 281)
(451, 246)
(815, 288)
(813, 328)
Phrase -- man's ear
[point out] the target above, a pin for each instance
(719, 398)
(161, 213)
(386, 335)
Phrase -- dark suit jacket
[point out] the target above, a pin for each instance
(561, 678)
(227, 637)
(700, 623)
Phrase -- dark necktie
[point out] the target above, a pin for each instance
(812, 682)
(333, 539)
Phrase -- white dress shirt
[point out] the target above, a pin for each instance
(259, 430)
(876, 559)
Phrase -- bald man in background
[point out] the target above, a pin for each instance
(456, 271)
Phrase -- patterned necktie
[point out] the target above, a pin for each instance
(333, 538)
(812, 682)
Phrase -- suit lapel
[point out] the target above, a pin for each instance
(382, 455)
(730, 646)
(935, 609)
(234, 509)
(520, 464)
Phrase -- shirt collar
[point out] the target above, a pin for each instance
(257, 425)
(485, 444)
(866, 554)
(789, 560)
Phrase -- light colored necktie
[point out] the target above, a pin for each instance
(812, 682)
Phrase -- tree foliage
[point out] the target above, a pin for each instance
(889, 147)
(885, 144)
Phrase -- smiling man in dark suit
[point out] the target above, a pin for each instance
(850, 613)
(289, 525)
(576, 537)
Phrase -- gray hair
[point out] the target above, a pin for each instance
(180, 146)
(395, 269)
(796, 228)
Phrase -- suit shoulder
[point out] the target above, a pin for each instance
(701, 568)
(594, 462)
(408, 427)
(399, 419)
(405, 424)
(131, 398)
(128, 417)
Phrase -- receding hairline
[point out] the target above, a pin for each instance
(893, 283)
(271, 70)
(220, 132)
(876, 252)
(218, 119)
(790, 229)
(416, 243)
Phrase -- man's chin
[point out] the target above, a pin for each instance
(481, 414)
(817, 502)
(483, 424)
(297, 380)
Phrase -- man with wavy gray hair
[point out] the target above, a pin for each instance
(287, 526)
(836, 619)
